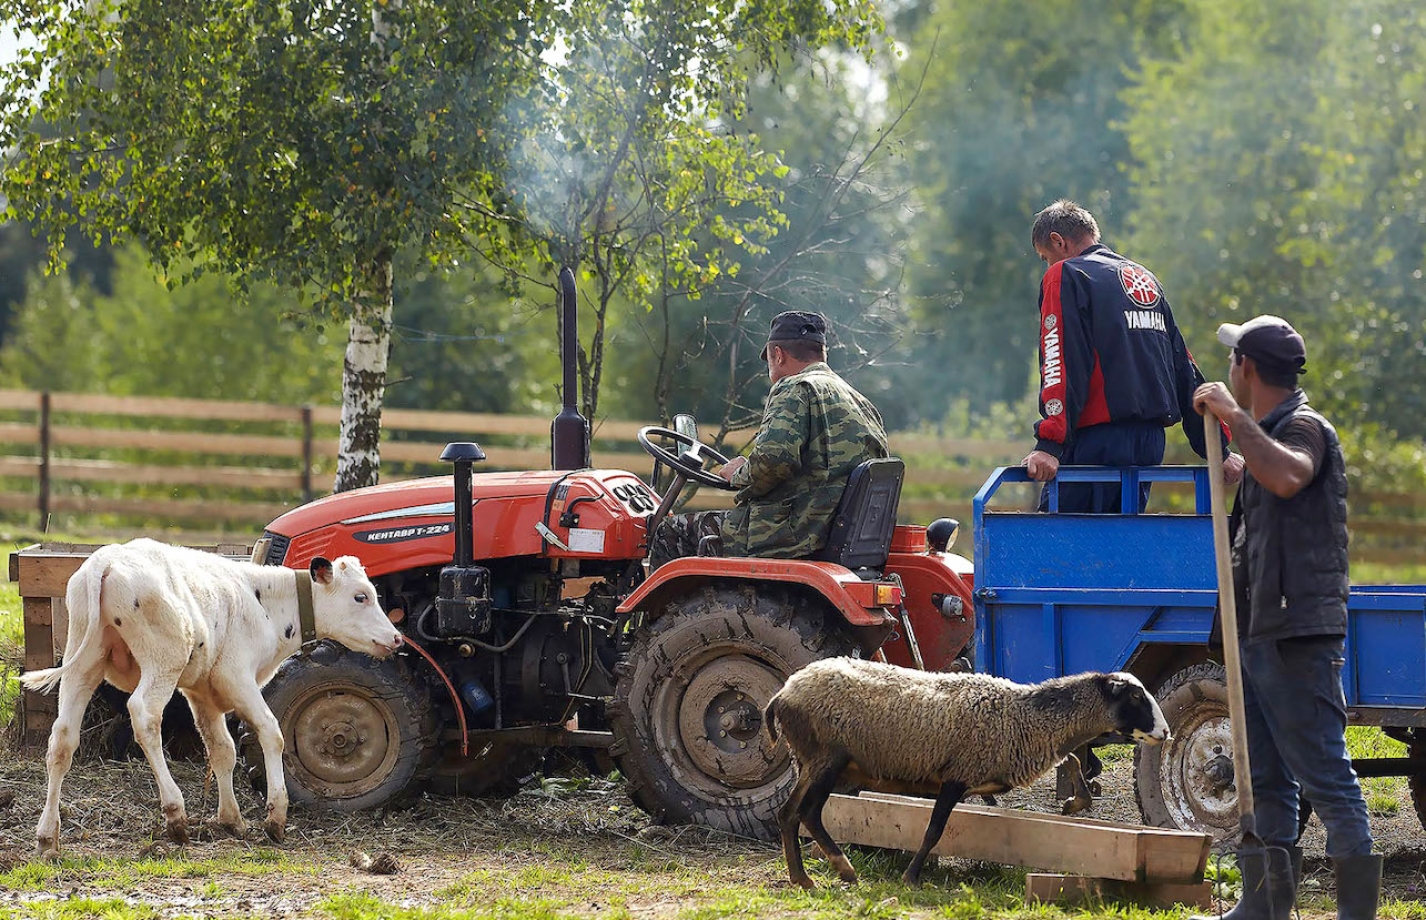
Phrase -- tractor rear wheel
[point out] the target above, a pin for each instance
(359, 731)
(687, 715)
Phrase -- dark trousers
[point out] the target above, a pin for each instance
(1109, 444)
(1297, 722)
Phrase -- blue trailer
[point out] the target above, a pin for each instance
(1061, 593)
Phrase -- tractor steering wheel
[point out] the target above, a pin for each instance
(688, 462)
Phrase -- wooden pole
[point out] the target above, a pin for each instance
(307, 453)
(1227, 605)
(44, 498)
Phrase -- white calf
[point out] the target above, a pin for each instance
(149, 618)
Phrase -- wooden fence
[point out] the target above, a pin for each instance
(87, 463)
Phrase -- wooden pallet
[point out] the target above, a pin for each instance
(1149, 864)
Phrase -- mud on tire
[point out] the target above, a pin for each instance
(359, 732)
(687, 715)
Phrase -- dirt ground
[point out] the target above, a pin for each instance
(558, 829)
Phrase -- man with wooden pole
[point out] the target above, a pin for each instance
(1284, 625)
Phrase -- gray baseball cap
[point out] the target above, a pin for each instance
(1268, 339)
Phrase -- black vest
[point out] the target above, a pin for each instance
(1290, 555)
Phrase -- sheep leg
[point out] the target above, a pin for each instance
(946, 800)
(795, 808)
(811, 813)
(1081, 799)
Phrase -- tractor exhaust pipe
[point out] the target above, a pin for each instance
(569, 433)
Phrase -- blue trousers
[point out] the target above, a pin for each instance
(1109, 444)
(1297, 722)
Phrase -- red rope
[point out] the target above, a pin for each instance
(455, 699)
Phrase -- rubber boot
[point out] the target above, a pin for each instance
(1269, 886)
(1358, 887)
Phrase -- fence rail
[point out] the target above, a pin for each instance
(92, 462)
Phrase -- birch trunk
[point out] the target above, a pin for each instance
(364, 381)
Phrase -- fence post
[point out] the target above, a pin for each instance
(307, 453)
(44, 499)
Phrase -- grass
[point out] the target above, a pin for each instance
(109, 872)
(12, 645)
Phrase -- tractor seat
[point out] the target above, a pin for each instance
(860, 537)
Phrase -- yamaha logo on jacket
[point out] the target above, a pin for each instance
(1109, 350)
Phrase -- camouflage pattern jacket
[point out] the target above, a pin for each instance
(816, 429)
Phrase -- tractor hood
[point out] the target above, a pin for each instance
(409, 524)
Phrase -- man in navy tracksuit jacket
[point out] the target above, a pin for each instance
(1114, 370)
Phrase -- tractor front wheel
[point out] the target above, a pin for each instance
(689, 700)
(359, 732)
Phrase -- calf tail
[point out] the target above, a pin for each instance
(82, 598)
(42, 681)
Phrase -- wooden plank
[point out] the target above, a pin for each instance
(1076, 889)
(19, 501)
(194, 442)
(231, 476)
(37, 714)
(907, 444)
(59, 614)
(39, 633)
(173, 407)
(47, 575)
(19, 466)
(1076, 846)
(22, 400)
(11, 433)
(241, 512)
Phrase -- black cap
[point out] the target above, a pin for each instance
(1269, 340)
(797, 326)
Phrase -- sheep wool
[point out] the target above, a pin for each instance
(900, 724)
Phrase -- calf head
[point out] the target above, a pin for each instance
(1135, 712)
(345, 608)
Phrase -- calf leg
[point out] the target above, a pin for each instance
(950, 794)
(146, 706)
(810, 812)
(222, 757)
(249, 704)
(75, 689)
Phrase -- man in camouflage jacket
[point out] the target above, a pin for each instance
(816, 429)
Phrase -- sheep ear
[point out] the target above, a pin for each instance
(1117, 686)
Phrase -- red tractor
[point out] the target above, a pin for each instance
(534, 623)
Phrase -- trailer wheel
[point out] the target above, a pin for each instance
(359, 731)
(687, 715)
(1187, 782)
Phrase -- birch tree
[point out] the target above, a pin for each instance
(309, 143)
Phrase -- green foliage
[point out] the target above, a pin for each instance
(1277, 171)
(200, 339)
(840, 187)
(12, 650)
(1023, 110)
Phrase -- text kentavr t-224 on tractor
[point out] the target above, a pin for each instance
(533, 622)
